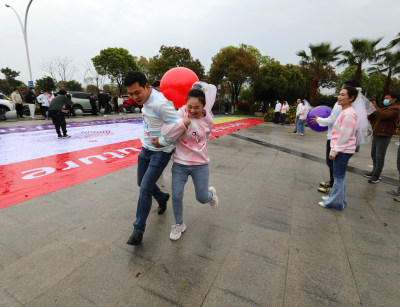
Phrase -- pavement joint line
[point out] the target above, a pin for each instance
(351, 169)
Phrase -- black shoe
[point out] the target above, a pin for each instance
(368, 175)
(374, 179)
(135, 239)
(325, 184)
(163, 206)
(60, 136)
(65, 136)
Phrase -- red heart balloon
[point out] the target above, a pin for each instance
(176, 84)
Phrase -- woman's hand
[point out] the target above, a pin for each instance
(331, 157)
(186, 122)
(155, 143)
(314, 120)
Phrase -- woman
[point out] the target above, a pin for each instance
(191, 156)
(284, 109)
(120, 104)
(343, 146)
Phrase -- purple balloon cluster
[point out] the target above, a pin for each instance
(320, 111)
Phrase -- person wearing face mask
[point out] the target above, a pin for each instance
(384, 122)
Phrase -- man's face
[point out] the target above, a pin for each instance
(139, 94)
(391, 100)
(298, 101)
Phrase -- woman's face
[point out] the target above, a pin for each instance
(343, 98)
(195, 107)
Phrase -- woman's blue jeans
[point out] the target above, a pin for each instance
(200, 177)
(151, 164)
(337, 197)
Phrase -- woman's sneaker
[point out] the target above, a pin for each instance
(214, 199)
(325, 197)
(176, 231)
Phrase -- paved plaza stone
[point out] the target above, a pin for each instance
(268, 243)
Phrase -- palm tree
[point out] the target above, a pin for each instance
(362, 50)
(395, 42)
(321, 56)
(389, 65)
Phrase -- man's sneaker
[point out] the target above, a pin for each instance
(176, 231)
(374, 179)
(368, 175)
(163, 206)
(325, 190)
(60, 136)
(65, 136)
(325, 197)
(394, 192)
(325, 184)
(214, 200)
(135, 239)
(397, 198)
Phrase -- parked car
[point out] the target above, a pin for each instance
(5, 106)
(130, 105)
(4, 97)
(80, 100)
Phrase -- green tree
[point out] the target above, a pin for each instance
(46, 83)
(320, 56)
(115, 63)
(73, 85)
(390, 64)
(261, 59)
(327, 78)
(363, 50)
(143, 65)
(171, 57)
(92, 89)
(10, 82)
(395, 41)
(235, 66)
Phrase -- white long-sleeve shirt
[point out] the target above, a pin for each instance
(330, 120)
(156, 111)
(278, 107)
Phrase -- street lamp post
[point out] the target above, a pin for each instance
(23, 27)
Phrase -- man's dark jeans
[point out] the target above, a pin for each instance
(378, 153)
(151, 164)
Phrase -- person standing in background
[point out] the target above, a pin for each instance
(30, 98)
(278, 107)
(16, 97)
(284, 109)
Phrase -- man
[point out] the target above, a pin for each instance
(107, 104)
(92, 101)
(102, 99)
(30, 98)
(16, 97)
(298, 110)
(278, 107)
(156, 111)
(384, 122)
(56, 112)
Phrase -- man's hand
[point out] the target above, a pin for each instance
(65, 111)
(155, 143)
(331, 157)
(186, 122)
(374, 104)
(314, 120)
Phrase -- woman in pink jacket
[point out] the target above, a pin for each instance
(190, 156)
(343, 146)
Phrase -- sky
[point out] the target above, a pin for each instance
(79, 29)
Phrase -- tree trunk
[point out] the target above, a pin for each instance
(314, 86)
(387, 84)
(358, 73)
